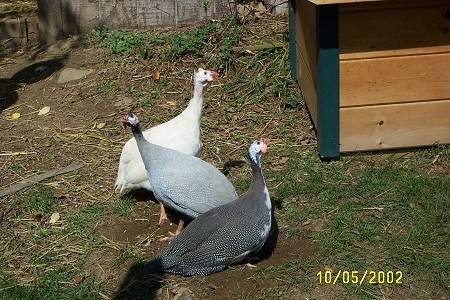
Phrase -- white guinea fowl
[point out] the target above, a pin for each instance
(181, 133)
(182, 182)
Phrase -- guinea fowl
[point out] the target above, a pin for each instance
(224, 235)
(180, 181)
(181, 133)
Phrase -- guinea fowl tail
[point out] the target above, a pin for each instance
(155, 266)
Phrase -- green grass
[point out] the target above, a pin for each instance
(212, 42)
(124, 207)
(375, 212)
(40, 260)
(391, 214)
(53, 284)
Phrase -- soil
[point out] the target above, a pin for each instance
(83, 126)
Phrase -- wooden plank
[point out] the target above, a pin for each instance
(365, 5)
(357, 2)
(308, 86)
(394, 126)
(324, 2)
(394, 79)
(40, 177)
(387, 28)
(395, 52)
(306, 35)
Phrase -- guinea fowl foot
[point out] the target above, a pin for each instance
(173, 235)
(162, 214)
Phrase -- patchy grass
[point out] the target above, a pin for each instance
(382, 215)
(374, 211)
(124, 207)
(42, 260)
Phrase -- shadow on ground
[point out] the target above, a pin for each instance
(137, 284)
(29, 75)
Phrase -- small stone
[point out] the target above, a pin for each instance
(71, 74)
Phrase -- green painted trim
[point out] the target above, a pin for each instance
(292, 41)
(327, 23)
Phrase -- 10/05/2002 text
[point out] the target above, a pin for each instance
(356, 277)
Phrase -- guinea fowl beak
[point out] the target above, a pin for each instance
(124, 121)
(264, 147)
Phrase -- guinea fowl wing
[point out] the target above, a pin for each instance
(196, 187)
(222, 232)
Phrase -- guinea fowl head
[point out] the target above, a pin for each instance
(130, 120)
(256, 149)
(204, 76)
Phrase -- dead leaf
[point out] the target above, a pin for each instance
(78, 279)
(15, 116)
(123, 101)
(307, 222)
(45, 110)
(156, 74)
(283, 160)
(54, 218)
(75, 93)
(37, 215)
(101, 125)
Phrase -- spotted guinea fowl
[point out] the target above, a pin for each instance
(181, 133)
(225, 234)
(180, 181)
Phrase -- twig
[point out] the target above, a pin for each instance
(373, 208)
(37, 178)
(249, 49)
(17, 153)
(382, 193)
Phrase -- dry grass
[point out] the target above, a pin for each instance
(98, 245)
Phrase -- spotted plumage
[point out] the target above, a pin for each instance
(225, 234)
(183, 182)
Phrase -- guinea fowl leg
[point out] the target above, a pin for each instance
(180, 227)
(173, 235)
(162, 215)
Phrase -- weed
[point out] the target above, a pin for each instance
(124, 207)
(225, 57)
(192, 42)
(111, 87)
(52, 284)
(39, 198)
(78, 221)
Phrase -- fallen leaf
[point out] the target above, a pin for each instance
(306, 222)
(123, 101)
(37, 215)
(101, 125)
(45, 110)
(78, 279)
(54, 218)
(156, 74)
(283, 160)
(15, 116)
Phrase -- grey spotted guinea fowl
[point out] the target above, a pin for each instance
(224, 235)
(180, 181)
